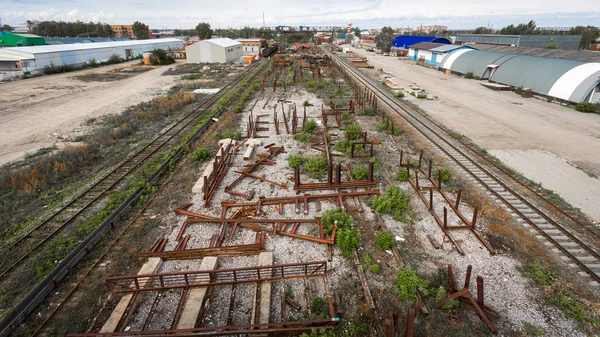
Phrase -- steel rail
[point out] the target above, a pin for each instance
(392, 101)
(115, 176)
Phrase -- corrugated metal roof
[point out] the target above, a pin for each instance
(425, 45)
(224, 42)
(475, 61)
(403, 41)
(28, 35)
(448, 47)
(575, 55)
(85, 46)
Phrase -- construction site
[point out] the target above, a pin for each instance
(304, 197)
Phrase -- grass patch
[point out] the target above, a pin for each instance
(587, 107)
(399, 94)
(310, 126)
(368, 112)
(359, 173)
(231, 134)
(539, 272)
(302, 137)
(294, 161)
(369, 264)
(402, 175)
(384, 240)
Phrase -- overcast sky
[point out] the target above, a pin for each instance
(363, 13)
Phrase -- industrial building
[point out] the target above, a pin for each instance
(566, 42)
(214, 50)
(568, 80)
(404, 41)
(431, 53)
(34, 59)
(8, 39)
(71, 40)
(126, 31)
(253, 46)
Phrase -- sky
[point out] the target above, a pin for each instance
(159, 14)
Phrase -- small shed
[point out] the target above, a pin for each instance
(8, 39)
(253, 46)
(214, 50)
(422, 52)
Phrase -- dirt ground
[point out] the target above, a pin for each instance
(508, 123)
(43, 111)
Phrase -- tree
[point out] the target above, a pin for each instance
(588, 34)
(520, 29)
(357, 32)
(30, 24)
(204, 31)
(482, 30)
(384, 39)
(7, 28)
(140, 30)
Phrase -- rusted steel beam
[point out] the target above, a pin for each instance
(307, 197)
(203, 278)
(189, 254)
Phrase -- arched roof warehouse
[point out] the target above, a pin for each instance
(569, 80)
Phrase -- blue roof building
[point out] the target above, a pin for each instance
(403, 41)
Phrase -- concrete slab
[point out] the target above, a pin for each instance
(264, 309)
(199, 185)
(150, 267)
(193, 304)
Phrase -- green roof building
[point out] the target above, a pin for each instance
(8, 39)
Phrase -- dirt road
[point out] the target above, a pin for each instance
(43, 111)
(537, 135)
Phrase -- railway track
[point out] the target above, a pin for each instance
(22, 249)
(548, 228)
(28, 247)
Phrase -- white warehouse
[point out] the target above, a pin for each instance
(214, 50)
(35, 58)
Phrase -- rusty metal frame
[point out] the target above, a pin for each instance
(250, 329)
(188, 254)
(204, 278)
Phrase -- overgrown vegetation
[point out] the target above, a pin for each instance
(229, 133)
(369, 264)
(440, 294)
(347, 240)
(310, 126)
(394, 201)
(399, 94)
(319, 309)
(384, 240)
(316, 166)
(368, 112)
(302, 137)
(408, 283)
(539, 272)
(402, 175)
(469, 74)
(422, 95)
(446, 175)
(587, 107)
(201, 154)
(359, 173)
(294, 161)
(331, 216)
(519, 90)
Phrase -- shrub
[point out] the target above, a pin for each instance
(469, 74)
(440, 294)
(201, 154)
(317, 167)
(586, 107)
(422, 95)
(310, 126)
(400, 94)
(307, 103)
(302, 137)
(369, 112)
(319, 308)
(394, 201)
(353, 128)
(343, 145)
(369, 264)
(519, 90)
(346, 117)
(384, 240)
(402, 175)
(114, 58)
(537, 271)
(93, 63)
(347, 240)
(359, 173)
(476, 77)
(237, 135)
(408, 283)
(446, 175)
(160, 57)
(331, 216)
(294, 161)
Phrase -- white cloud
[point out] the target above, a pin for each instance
(371, 13)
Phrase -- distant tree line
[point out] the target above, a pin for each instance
(589, 34)
(204, 31)
(76, 29)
